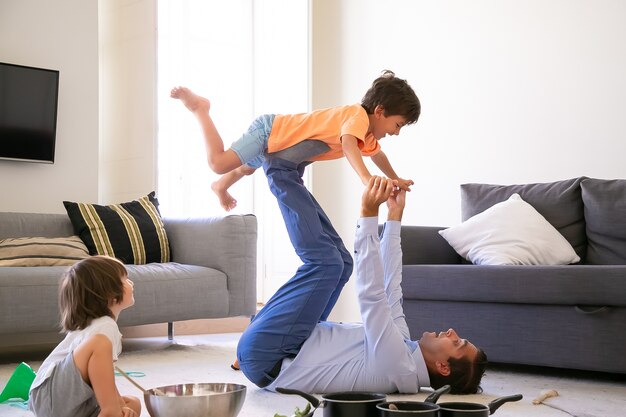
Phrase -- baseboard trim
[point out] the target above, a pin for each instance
(188, 327)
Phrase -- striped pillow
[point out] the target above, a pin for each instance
(132, 232)
(42, 251)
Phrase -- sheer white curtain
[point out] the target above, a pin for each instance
(248, 57)
(207, 46)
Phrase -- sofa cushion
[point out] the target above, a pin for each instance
(559, 202)
(424, 245)
(133, 232)
(162, 288)
(510, 233)
(42, 251)
(605, 216)
(34, 225)
(163, 292)
(583, 285)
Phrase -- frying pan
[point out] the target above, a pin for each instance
(464, 409)
(428, 408)
(342, 404)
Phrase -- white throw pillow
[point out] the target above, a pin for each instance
(510, 233)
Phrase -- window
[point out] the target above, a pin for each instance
(248, 58)
(206, 46)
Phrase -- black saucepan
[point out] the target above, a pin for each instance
(428, 408)
(342, 404)
(462, 409)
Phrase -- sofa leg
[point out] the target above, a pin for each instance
(170, 330)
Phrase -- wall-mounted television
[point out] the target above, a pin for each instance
(28, 113)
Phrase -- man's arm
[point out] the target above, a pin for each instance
(391, 253)
(386, 350)
(395, 206)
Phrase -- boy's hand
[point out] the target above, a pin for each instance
(376, 192)
(405, 184)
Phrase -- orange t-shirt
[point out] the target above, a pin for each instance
(327, 125)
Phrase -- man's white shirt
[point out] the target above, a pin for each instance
(376, 355)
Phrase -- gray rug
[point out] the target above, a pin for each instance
(207, 358)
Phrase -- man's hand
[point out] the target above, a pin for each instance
(376, 192)
(395, 204)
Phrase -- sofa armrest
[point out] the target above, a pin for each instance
(424, 245)
(227, 244)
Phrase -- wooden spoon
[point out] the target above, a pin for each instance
(132, 381)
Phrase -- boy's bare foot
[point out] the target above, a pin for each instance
(190, 99)
(235, 365)
(226, 200)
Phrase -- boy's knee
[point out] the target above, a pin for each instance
(217, 166)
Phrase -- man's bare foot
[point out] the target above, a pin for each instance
(190, 99)
(226, 200)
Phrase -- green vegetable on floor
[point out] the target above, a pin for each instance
(298, 413)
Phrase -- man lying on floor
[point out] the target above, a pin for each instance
(285, 345)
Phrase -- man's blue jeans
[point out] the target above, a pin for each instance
(287, 320)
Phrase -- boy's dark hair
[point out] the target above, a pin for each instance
(86, 290)
(465, 375)
(395, 95)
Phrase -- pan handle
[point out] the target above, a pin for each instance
(495, 404)
(314, 401)
(432, 398)
(591, 310)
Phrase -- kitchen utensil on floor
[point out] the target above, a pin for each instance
(427, 408)
(132, 381)
(408, 408)
(18, 385)
(196, 400)
(466, 409)
(342, 404)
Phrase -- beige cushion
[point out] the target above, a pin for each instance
(42, 251)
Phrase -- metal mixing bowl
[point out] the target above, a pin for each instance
(196, 400)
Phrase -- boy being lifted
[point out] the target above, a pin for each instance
(351, 130)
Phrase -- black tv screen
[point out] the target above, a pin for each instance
(28, 112)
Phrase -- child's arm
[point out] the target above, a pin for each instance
(94, 360)
(352, 152)
(382, 162)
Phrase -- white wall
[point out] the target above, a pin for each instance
(60, 35)
(128, 99)
(511, 92)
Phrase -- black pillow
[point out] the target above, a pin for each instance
(132, 232)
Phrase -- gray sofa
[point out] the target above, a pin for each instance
(212, 275)
(564, 316)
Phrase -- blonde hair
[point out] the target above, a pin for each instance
(87, 288)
